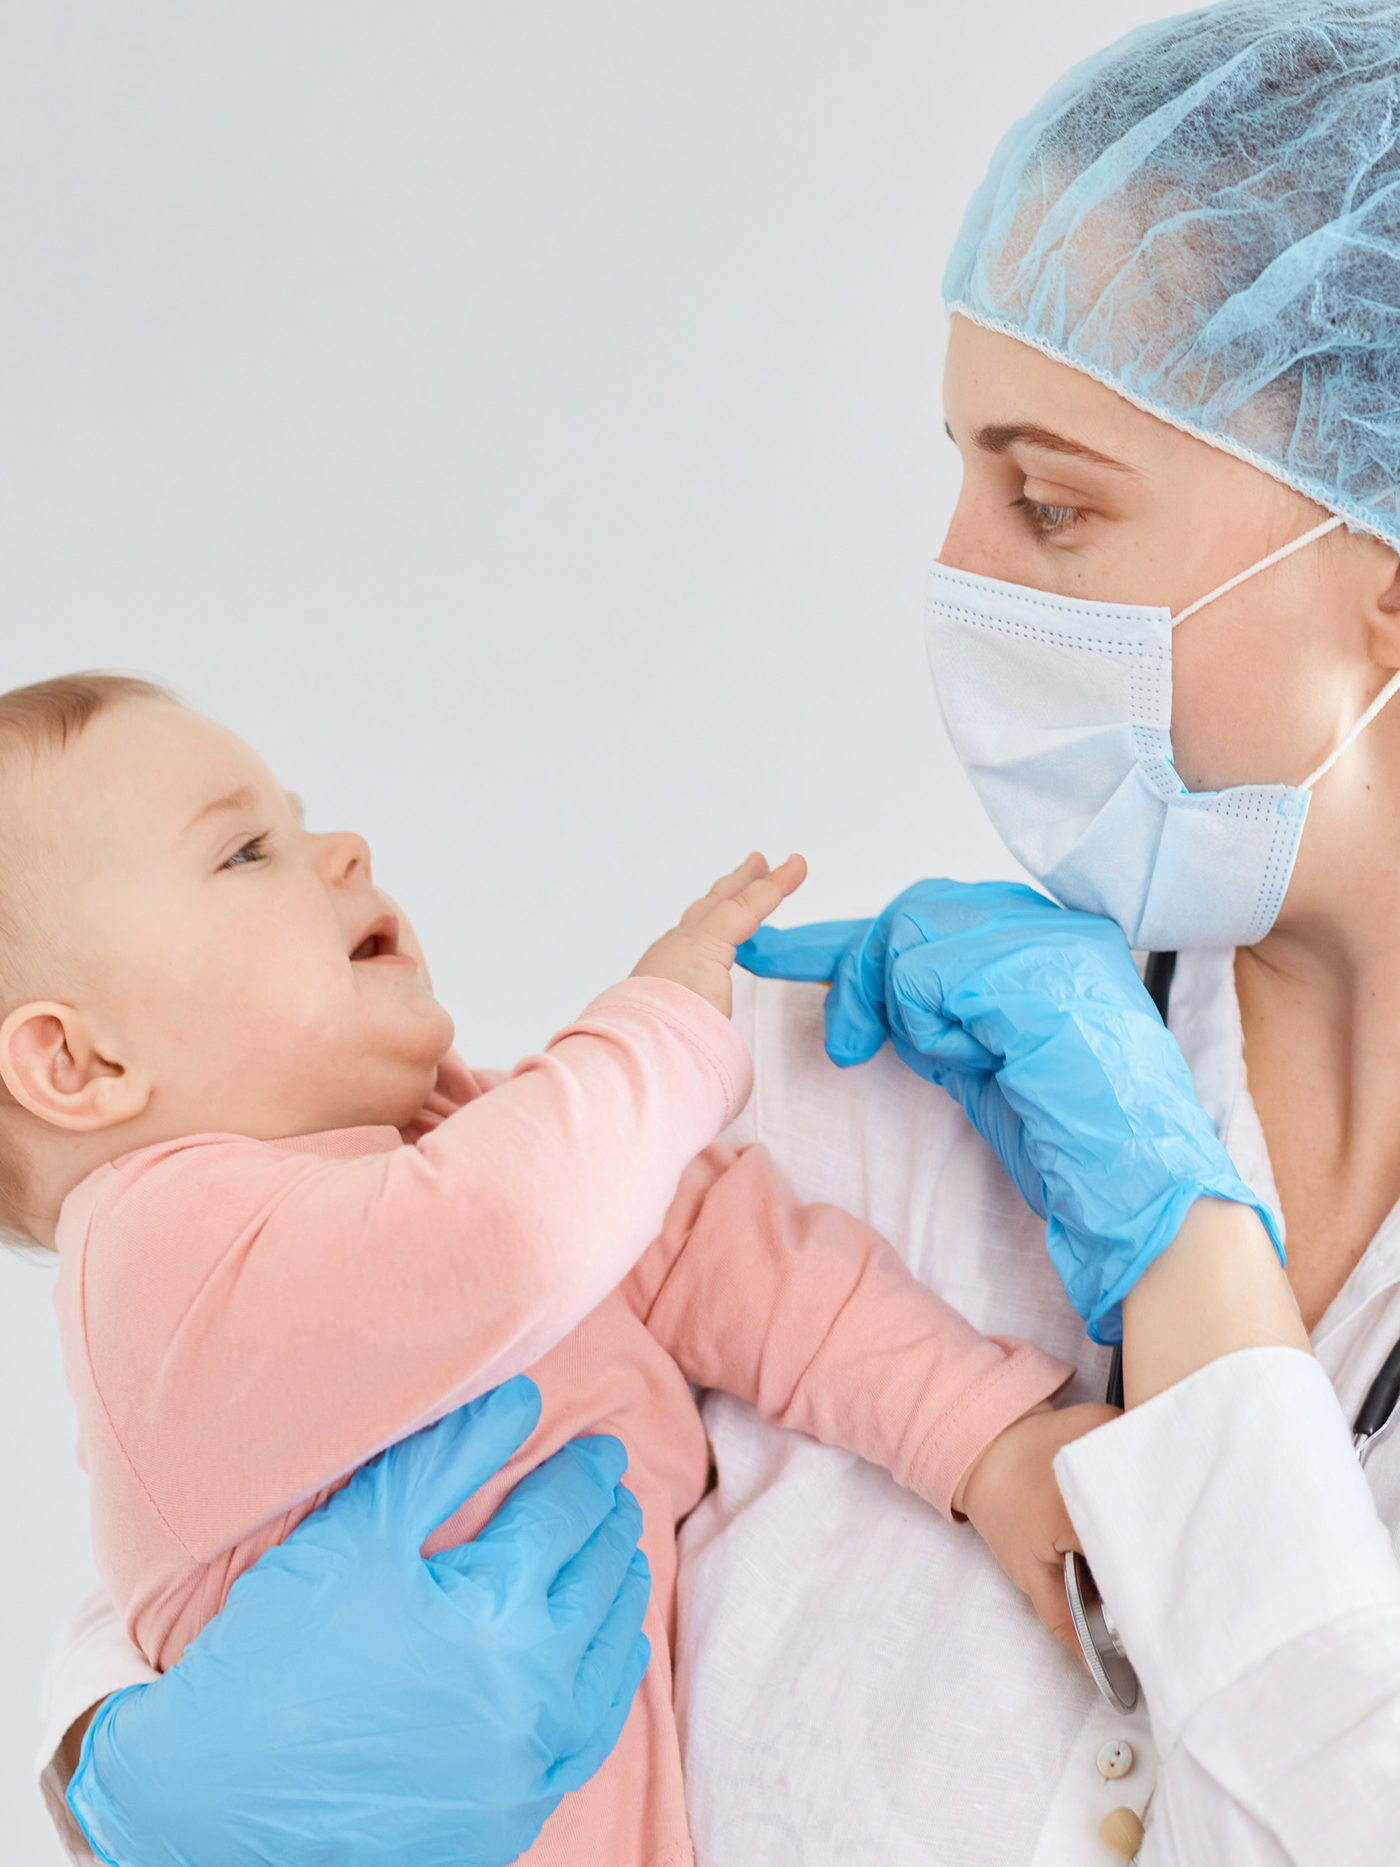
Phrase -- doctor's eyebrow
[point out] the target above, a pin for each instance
(997, 438)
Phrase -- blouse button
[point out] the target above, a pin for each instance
(1123, 1831)
(1116, 1758)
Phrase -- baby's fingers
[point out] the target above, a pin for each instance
(733, 918)
(726, 888)
(1048, 1598)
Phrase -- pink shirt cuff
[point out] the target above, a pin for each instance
(1011, 1386)
(709, 1033)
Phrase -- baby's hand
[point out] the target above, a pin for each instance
(1011, 1497)
(699, 951)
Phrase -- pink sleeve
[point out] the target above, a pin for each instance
(257, 1321)
(812, 1317)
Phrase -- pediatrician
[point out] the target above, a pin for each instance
(1174, 352)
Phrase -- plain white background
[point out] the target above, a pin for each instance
(521, 422)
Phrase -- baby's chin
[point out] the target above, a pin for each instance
(384, 1081)
(393, 1100)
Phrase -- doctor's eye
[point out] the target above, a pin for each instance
(1045, 521)
(254, 850)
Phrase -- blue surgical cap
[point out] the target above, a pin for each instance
(1206, 217)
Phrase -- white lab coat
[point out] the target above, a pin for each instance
(858, 1683)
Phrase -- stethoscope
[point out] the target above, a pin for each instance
(1093, 1624)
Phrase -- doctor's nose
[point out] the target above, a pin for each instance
(343, 857)
(965, 545)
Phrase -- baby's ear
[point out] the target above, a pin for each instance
(52, 1067)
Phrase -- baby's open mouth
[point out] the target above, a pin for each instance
(380, 941)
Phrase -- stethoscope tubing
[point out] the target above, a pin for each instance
(1380, 1402)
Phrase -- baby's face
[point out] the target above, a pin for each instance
(249, 968)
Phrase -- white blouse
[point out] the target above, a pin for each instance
(858, 1683)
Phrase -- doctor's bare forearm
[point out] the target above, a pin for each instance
(1218, 1287)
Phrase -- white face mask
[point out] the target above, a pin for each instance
(1060, 711)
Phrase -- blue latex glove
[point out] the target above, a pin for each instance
(354, 1703)
(1034, 1018)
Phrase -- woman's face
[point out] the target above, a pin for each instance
(1068, 487)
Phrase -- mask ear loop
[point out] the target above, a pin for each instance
(1387, 693)
(1274, 557)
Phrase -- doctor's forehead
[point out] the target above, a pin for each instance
(1000, 395)
(997, 391)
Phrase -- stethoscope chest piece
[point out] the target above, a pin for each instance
(1098, 1637)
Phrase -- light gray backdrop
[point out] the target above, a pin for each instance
(521, 421)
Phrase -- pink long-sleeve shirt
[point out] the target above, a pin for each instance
(244, 1322)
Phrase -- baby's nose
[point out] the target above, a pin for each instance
(344, 856)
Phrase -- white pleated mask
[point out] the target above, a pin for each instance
(1060, 711)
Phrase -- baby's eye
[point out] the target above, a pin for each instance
(254, 850)
(1043, 520)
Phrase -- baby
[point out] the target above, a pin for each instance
(293, 1226)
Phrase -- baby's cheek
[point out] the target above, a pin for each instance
(268, 1012)
(185, 999)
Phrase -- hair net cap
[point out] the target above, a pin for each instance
(1206, 216)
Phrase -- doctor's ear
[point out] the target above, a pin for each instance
(1383, 623)
(52, 1067)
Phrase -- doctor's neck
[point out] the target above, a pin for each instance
(1336, 941)
(1319, 1002)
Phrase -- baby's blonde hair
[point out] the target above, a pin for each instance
(37, 719)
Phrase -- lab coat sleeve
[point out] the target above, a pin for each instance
(91, 1659)
(1233, 1535)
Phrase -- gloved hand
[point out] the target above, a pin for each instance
(1034, 1018)
(354, 1703)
